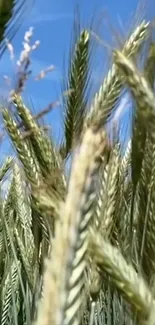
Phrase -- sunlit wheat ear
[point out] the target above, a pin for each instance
(23, 209)
(48, 157)
(75, 101)
(101, 190)
(7, 215)
(26, 258)
(110, 90)
(106, 222)
(41, 141)
(9, 290)
(64, 269)
(123, 275)
(23, 232)
(31, 167)
(95, 282)
(5, 167)
(147, 162)
(125, 162)
(140, 89)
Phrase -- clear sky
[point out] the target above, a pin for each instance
(53, 21)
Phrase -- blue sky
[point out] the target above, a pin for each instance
(53, 24)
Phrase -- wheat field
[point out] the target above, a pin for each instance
(77, 244)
